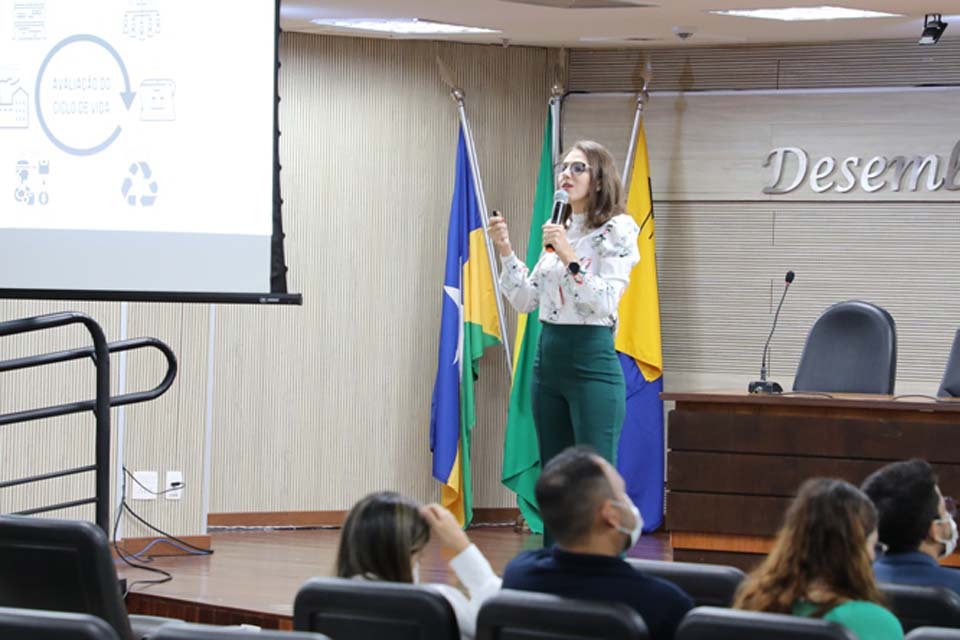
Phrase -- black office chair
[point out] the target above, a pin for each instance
(523, 615)
(950, 386)
(851, 348)
(186, 631)
(64, 565)
(713, 623)
(933, 633)
(367, 610)
(29, 624)
(708, 585)
(923, 606)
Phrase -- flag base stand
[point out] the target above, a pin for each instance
(521, 526)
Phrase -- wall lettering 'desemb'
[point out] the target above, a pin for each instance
(792, 166)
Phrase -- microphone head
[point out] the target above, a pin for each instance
(561, 196)
(790, 276)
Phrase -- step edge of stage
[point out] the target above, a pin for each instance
(481, 516)
(145, 603)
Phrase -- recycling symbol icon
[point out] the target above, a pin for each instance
(139, 187)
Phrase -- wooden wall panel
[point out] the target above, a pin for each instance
(712, 146)
(700, 471)
(723, 246)
(316, 406)
(877, 436)
(879, 63)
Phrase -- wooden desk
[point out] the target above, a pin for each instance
(734, 460)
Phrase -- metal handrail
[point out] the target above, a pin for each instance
(90, 405)
(100, 405)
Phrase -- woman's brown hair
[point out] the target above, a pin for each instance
(382, 532)
(606, 190)
(822, 547)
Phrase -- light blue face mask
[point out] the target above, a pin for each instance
(634, 533)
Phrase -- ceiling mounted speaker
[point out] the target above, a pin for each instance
(587, 4)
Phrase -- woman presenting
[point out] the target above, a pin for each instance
(578, 393)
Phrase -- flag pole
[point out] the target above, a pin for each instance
(642, 98)
(556, 98)
(556, 101)
(637, 118)
(458, 96)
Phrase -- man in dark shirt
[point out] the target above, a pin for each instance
(915, 523)
(584, 504)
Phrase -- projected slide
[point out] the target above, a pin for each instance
(136, 144)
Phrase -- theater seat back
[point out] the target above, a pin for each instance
(923, 606)
(368, 610)
(31, 624)
(523, 615)
(933, 633)
(712, 623)
(185, 631)
(708, 585)
(60, 565)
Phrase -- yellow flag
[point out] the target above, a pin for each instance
(638, 334)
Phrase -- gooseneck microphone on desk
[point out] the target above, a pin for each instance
(763, 385)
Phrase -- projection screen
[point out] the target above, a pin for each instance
(138, 150)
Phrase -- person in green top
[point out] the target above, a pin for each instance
(820, 564)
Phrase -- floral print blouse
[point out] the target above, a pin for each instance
(606, 255)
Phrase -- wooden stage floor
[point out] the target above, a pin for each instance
(253, 576)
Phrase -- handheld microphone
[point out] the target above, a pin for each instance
(560, 201)
(763, 385)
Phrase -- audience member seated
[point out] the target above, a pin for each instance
(820, 563)
(584, 504)
(916, 525)
(383, 539)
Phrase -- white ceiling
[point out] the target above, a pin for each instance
(525, 24)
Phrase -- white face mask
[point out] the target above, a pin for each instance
(950, 543)
(416, 572)
(634, 533)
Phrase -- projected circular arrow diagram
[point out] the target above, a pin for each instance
(126, 95)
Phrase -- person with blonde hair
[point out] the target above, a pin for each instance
(820, 564)
(383, 539)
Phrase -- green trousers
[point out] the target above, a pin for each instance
(578, 393)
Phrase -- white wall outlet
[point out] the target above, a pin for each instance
(174, 479)
(144, 482)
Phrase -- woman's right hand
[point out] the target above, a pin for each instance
(497, 230)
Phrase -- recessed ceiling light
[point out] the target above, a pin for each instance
(806, 13)
(617, 39)
(403, 26)
(588, 4)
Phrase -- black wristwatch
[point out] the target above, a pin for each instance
(573, 268)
